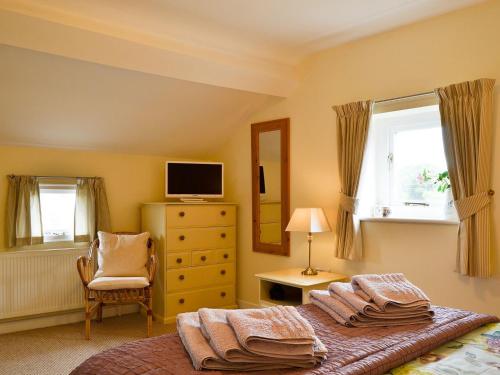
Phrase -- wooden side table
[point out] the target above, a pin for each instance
(293, 286)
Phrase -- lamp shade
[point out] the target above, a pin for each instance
(311, 220)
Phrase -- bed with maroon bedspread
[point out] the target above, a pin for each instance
(351, 351)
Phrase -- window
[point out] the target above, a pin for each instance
(57, 202)
(405, 166)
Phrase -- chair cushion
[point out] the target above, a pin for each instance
(110, 283)
(122, 254)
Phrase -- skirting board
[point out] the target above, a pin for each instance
(61, 318)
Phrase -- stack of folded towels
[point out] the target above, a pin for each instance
(374, 300)
(248, 340)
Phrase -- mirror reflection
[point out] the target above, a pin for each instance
(270, 186)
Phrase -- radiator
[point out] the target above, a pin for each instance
(39, 281)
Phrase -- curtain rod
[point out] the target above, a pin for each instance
(404, 97)
(13, 175)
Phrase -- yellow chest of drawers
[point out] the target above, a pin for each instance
(196, 249)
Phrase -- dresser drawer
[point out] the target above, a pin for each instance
(200, 238)
(200, 277)
(193, 300)
(203, 257)
(270, 233)
(200, 216)
(224, 255)
(178, 260)
(270, 213)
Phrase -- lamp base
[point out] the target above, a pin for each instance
(309, 272)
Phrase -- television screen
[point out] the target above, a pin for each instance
(185, 179)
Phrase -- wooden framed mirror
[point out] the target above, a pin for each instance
(271, 186)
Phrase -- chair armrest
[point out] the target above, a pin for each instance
(151, 266)
(83, 265)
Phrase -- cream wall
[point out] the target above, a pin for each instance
(130, 179)
(417, 58)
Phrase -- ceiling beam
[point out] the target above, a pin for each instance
(140, 52)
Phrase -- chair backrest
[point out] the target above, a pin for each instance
(95, 245)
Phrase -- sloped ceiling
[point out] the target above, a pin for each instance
(283, 31)
(171, 77)
(48, 100)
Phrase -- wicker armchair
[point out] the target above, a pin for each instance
(96, 299)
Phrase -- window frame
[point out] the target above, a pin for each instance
(49, 185)
(383, 169)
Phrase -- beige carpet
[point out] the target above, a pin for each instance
(58, 350)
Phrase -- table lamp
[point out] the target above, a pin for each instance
(309, 220)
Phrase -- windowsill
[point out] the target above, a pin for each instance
(61, 246)
(411, 220)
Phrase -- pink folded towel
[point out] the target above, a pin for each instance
(346, 294)
(390, 290)
(201, 353)
(223, 340)
(278, 331)
(346, 315)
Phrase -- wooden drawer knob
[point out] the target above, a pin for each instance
(226, 256)
(203, 258)
(182, 214)
(222, 272)
(181, 277)
(222, 294)
(223, 213)
(223, 235)
(181, 301)
(182, 237)
(179, 260)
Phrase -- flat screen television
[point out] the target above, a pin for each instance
(185, 179)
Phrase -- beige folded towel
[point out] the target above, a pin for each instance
(344, 314)
(201, 353)
(278, 331)
(345, 293)
(390, 290)
(223, 340)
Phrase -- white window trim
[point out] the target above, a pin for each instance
(413, 220)
(59, 185)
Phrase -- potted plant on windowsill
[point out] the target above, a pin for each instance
(443, 185)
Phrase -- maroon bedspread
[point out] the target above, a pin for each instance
(350, 350)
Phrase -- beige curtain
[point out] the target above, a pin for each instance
(353, 120)
(24, 216)
(91, 209)
(466, 118)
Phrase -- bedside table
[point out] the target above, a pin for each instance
(293, 284)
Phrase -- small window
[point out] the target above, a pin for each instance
(405, 166)
(58, 211)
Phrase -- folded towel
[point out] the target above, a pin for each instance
(201, 353)
(218, 332)
(390, 290)
(346, 294)
(278, 331)
(346, 315)
(320, 299)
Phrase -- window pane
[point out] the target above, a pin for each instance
(418, 158)
(58, 211)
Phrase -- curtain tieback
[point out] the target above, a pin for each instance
(472, 204)
(349, 204)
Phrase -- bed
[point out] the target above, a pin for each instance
(351, 351)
